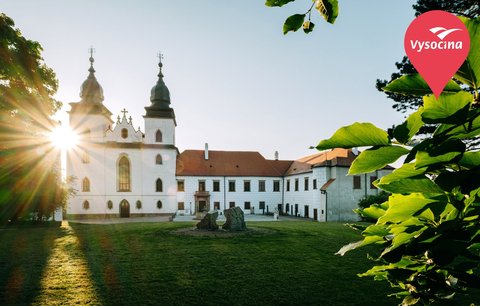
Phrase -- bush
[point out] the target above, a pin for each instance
(373, 199)
(369, 200)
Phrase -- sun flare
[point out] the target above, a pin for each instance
(63, 138)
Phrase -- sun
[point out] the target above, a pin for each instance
(63, 137)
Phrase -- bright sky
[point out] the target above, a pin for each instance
(235, 80)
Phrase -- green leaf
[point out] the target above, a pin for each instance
(404, 132)
(403, 207)
(376, 230)
(349, 247)
(469, 72)
(376, 158)
(414, 84)
(277, 2)
(373, 212)
(449, 108)
(355, 135)
(293, 23)
(475, 249)
(328, 9)
(470, 160)
(308, 26)
(448, 152)
(405, 171)
(467, 180)
(408, 179)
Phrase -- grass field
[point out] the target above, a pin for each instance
(287, 263)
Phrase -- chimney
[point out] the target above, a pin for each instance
(276, 155)
(206, 151)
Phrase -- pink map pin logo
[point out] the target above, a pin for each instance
(437, 44)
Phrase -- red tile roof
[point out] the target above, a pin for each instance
(334, 157)
(228, 163)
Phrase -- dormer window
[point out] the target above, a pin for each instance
(124, 133)
(158, 136)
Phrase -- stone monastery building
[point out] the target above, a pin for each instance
(124, 172)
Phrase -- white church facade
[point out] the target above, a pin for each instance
(124, 172)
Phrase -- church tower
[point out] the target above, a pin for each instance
(90, 120)
(159, 147)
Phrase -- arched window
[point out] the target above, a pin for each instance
(158, 159)
(139, 204)
(86, 205)
(85, 184)
(158, 136)
(124, 133)
(159, 185)
(124, 174)
(109, 204)
(159, 204)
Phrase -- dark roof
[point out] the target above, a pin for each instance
(228, 163)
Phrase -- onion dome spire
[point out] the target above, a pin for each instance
(160, 95)
(91, 91)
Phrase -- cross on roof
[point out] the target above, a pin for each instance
(124, 111)
(91, 51)
(160, 56)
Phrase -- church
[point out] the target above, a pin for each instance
(122, 172)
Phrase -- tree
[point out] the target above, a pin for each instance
(27, 162)
(402, 102)
(429, 229)
(328, 9)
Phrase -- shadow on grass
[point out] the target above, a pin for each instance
(24, 253)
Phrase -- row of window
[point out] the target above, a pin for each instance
(123, 185)
(86, 158)
(216, 205)
(138, 204)
(231, 185)
(306, 184)
(357, 182)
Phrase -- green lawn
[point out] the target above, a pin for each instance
(146, 264)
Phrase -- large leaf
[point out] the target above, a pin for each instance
(403, 207)
(373, 212)
(404, 132)
(407, 179)
(277, 2)
(470, 160)
(449, 108)
(414, 84)
(469, 72)
(447, 152)
(470, 129)
(376, 158)
(355, 135)
(466, 180)
(405, 171)
(293, 23)
(328, 9)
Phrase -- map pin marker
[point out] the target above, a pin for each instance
(437, 44)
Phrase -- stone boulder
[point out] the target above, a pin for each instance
(235, 219)
(209, 222)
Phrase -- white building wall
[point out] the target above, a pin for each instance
(300, 197)
(239, 196)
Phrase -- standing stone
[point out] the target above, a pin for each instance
(235, 219)
(209, 222)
